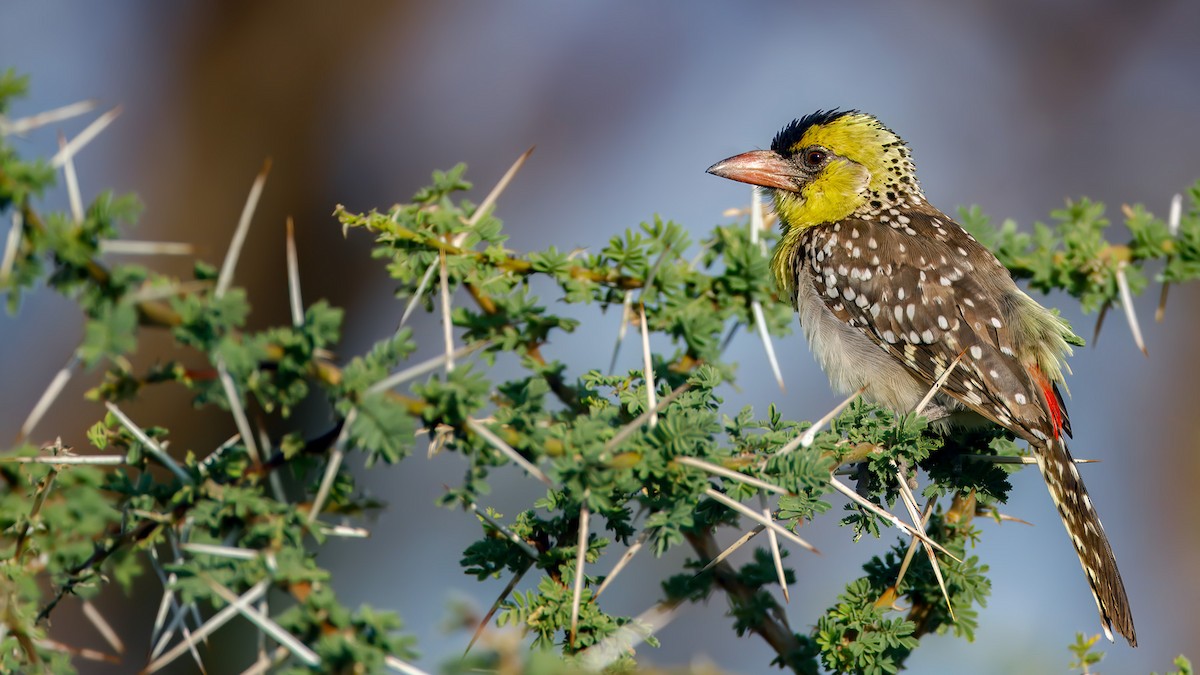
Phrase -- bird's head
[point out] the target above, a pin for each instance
(828, 166)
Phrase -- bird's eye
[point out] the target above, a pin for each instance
(815, 157)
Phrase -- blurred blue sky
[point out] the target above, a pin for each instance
(1012, 106)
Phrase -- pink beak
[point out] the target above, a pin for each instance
(759, 167)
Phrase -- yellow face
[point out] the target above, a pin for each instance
(828, 166)
(860, 161)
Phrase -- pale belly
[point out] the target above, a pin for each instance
(851, 359)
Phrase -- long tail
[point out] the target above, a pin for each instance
(1083, 524)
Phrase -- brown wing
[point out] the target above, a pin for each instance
(911, 282)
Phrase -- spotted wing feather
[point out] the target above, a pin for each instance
(910, 285)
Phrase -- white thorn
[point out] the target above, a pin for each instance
(72, 181)
(420, 369)
(1176, 214)
(57, 383)
(621, 643)
(729, 473)
(758, 518)
(1130, 313)
(741, 541)
(776, 555)
(910, 504)
(11, 244)
(103, 627)
(580, 558)
(239, 411)
(632, 551)
(266, 625)
(626, 314)
(225, 278)
(331, 468)
(638, 421)
(76, 144)
(938, 384)
(402, 666)
(234, 552)
(67, 460)
(293, 275)
(495, 193)
(137, 247)
(412, 302)
(508, 451)
(25, 124)
(508, 534)
(879, 511)
(447, 326)
(648, 365)
(214, 622)
(761, 323)
(806, 439)
(152, 447)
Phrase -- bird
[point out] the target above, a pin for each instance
(893, 295)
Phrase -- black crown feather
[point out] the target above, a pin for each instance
(786, 139)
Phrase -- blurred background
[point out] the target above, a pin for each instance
(1012, 106)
